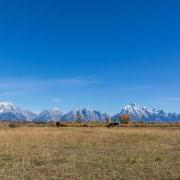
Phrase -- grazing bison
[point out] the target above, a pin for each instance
(113, 124)
(59, 124)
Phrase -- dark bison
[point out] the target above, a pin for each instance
(59, 124)
(113, 124)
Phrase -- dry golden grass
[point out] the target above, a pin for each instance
(89, 153)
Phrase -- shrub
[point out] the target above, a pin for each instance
(13, 125)
(124, 119)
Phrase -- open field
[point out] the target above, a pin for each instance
(89, 153)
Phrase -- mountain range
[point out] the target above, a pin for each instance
(11, 112)
(142, 113)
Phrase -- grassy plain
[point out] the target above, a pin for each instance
(89, 153)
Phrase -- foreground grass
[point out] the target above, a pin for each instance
(89, 153)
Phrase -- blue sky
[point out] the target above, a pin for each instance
(96, 54)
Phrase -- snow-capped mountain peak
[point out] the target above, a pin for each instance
(133, 104)
(11, 112)
(142, 113)
(7, 106)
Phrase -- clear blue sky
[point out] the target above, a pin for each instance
(94, 53)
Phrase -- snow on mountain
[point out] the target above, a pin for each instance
(7, 107)
(85, 115)
(88, 115)
(11, 112)
(29, 115)
(49, 115)
(142, 113)
(70, 116)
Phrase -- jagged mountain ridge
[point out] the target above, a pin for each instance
(49, 115)
(56, 115)
(142, 113)
(11, 112)
(85, 114)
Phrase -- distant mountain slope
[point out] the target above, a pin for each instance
(85, 114)
(11, 112)
(142, 113)
(49, 115)
(29, 115)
